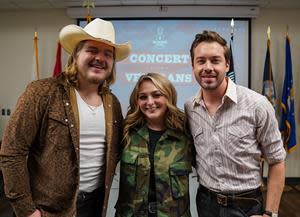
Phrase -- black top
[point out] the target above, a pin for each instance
(154, 136)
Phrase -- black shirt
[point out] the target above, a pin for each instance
(154, 136)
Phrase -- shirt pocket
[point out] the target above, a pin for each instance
(239, 139)
(128, 168)
(128, 188)
(58, 130)
(198, 135)
(179, 178)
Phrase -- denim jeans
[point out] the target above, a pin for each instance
(90, 204)
(207, 206)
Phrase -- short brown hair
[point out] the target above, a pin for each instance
(209, 36)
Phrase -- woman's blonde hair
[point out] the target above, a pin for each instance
(174, 118)
(71, 70)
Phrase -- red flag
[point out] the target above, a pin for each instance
(57, 67)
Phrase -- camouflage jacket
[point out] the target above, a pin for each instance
(172, 165)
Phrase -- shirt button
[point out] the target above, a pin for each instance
(66, 120)
(71, 125)
(67, 104)
(109, 105)
(106, 186)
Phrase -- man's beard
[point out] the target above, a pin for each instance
(94, 80)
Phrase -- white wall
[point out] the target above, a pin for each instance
(16, 50)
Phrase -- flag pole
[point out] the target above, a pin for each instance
(232, 27)
(88, 4)
(36, 51)
(231, 73)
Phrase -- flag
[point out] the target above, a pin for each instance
(268, 82)
(88, 4)
(36, 71)
(57, 68)
(287, 125)
(231, 73)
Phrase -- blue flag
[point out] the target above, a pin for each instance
(268, 82)
(287, 125)
(231, 73)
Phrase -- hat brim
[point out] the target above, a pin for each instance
(71, 35)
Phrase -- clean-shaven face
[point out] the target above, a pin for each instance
(210, 66)
(152, 103)
(94, 62)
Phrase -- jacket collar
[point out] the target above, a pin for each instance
(143, 132)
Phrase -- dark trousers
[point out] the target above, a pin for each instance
(90, 204)
(211, 204)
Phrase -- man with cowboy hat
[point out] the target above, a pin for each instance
(61, 145)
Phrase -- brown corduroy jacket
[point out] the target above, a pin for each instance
(40, 149)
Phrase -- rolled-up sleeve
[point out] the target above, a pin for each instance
(268, 134)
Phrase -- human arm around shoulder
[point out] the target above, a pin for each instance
(19, 134)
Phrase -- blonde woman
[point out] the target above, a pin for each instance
(157, 154)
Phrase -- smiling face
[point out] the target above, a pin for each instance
(152, 103)
(95, 62)
(209, 65)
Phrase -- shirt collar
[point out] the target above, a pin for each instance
(231, 90)
(198, 97)
(230, 93)
(143, 132)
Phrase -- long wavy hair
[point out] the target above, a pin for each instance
(71, 69)
(174, 119)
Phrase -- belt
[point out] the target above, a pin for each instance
(248, 198)
(84, 196)
(152, 207)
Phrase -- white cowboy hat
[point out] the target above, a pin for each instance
(97, 30)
